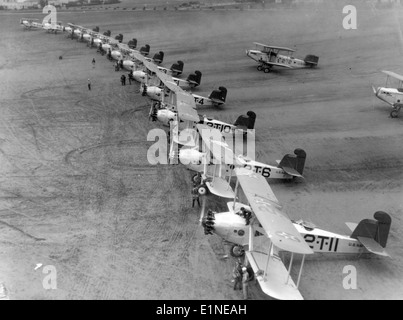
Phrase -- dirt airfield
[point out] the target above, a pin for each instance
(78, 193)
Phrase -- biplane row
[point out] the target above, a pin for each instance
(205, 146)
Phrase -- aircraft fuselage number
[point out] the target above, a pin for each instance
(322, 243)
(222, 127)
(199, 101)
(264, 171)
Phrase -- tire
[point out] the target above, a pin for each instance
(259, 68)
(394, 114)
(237, 251)
(202, 190)
(266, 70)
(196, 179)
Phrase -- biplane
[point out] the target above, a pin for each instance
(143, 75)
(271, 56)
(391, 95)
(289, 168)
(266, 218)
(54, 27)
(262, 215)
(156, 89)
(29, 24)
(176, 104)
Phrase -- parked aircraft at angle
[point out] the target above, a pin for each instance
(290, 167)
(192, 81)
(29, 24)
(392, 96)
(267, 218)
(155, 88)
(269, 57)
(180, 105)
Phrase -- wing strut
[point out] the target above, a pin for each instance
(290, 266)
(235, 193)
(300, 270)
(268, 259)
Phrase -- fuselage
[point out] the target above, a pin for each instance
(233, 228)
(155, 93)
(265, 58)
(389, 95)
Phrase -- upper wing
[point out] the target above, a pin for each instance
(266, 208)
(185, 102)
(267, 47)
(393, 75)
(186, 107)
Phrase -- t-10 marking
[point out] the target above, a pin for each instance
(222, 127)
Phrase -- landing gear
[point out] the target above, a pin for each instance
(264, 68)
(202, 190)
(237, 251)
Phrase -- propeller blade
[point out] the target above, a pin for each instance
(203, 209)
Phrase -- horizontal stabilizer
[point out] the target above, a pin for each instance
(274, 282)
(372, 246)
(292, 172)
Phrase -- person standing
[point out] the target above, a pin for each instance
(237, 275)
(93, 63)
(89, 84)
(245, 284)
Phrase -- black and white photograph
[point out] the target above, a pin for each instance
(221, 151)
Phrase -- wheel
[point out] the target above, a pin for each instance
(259, 68)
(266, 70)
(202, 190)
(237, 251)
(196, 178)
(394, 114)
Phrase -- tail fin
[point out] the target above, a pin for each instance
(377, 229)
(177, 67)
(311, 60)
(159, 57)
(219, 96)
(294, 164)
(247, 122)
(195, 78)
(145, 50)
(132, 43)
(119, 37)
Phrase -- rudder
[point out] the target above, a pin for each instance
(377, 229)
(296, 162)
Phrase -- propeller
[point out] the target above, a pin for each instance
(203, 210)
